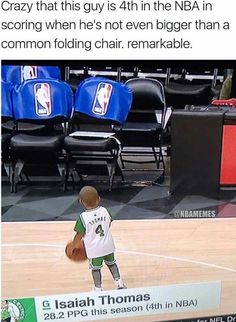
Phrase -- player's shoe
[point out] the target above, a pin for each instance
(97, 289)
(119, 284)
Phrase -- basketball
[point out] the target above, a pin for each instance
(76, 254)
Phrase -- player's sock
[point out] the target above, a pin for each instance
(97, 278)
(116, 275)
(114, 271)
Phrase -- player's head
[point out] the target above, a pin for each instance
(4, 304)
(89, 197)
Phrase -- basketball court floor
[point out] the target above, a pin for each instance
(149, 253)
(154, 246)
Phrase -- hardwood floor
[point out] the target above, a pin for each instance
(149, 253)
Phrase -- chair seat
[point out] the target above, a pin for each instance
(31, 142)
(186, 89)
(98, 144)
(179, 95)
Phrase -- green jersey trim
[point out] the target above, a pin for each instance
(80, 225)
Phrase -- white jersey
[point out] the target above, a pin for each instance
(95, 223)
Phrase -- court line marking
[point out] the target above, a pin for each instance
(132, 253)
(33, 245)
(178, 259)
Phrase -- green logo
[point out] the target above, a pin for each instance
(18, 310)
(12, 310)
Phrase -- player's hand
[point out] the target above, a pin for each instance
(77, 240)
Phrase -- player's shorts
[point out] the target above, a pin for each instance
(97, 263)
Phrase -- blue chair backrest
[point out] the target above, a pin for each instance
(18, 74)
(42, 99)
(6, 100)
(104, 99)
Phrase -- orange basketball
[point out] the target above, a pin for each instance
(75, 254)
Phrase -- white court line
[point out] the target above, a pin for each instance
(179, 259)
(33, 245)
(132, 253)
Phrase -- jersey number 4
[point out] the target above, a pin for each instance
(99, 230)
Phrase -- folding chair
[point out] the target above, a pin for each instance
(43, 103)
(6, 116)
(99, 103)
(193, 87)
(17, 74)
(144, 127)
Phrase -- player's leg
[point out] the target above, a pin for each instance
(111, 264)
(95, 264)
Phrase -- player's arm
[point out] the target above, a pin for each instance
(110, 216)
(80, 231)
(77, 239)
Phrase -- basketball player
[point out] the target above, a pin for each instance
(93, 225)
(9, 312)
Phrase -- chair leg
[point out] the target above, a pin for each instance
(120, 172)
(66, 175)
(23, 177)
(155, 157)
(111, 170)
(122, 162)
(111, 182)
(27, 177)
(17, 173)
(79, 175)
(12, 178)
(63, 176)
(73, 180)
(160, 161)
(7, 167)
(61, 170)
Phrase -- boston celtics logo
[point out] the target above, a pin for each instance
(12, 311)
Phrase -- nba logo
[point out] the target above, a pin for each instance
(28, 72)
(43, 106)
(102, 98)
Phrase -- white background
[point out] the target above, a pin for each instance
(161, 294)
(206, 44)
